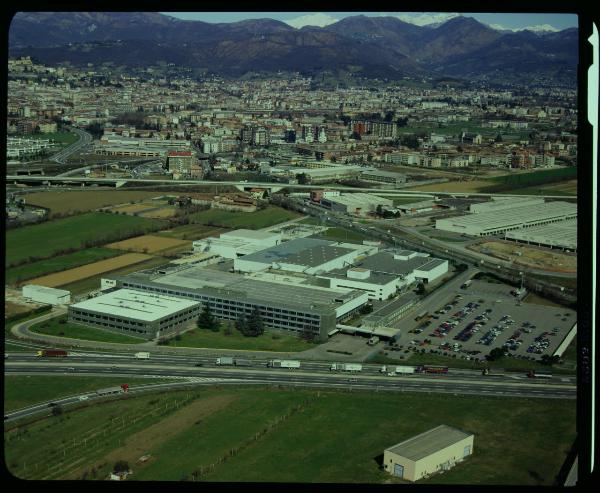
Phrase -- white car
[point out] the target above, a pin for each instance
(83, 397)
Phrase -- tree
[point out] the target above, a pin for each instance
(498, 138)
(241, 324)
(379, 210)
(206, 320)
(121, 466)
(420, 288)
(302, 178)
(496, 354)
(256, 325)
(57, 410)
(365, 309)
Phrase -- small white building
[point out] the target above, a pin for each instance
(431, 452)
(43, 294)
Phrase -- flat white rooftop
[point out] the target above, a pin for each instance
(250, 235)
(513, 217)
(563, 234)
(139, 305)
(46, 290)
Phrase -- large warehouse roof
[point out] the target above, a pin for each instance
(512, 217)
(562, 234)
(429, 442)
(385, 262)
(135, 304)
(302, 251)
(253, 290)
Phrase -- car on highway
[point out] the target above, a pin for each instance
(83, 397)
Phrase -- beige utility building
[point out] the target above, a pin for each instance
(433, 451)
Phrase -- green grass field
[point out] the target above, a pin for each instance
(62, 138)
(57, 264)
(22, 391)
(72, 201)
(191, 232)
(532, 180)
(49, 238)
(269, 341)
(59, 326)
(254, 220)
(287, 435)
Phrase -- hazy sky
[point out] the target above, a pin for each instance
(551, 22)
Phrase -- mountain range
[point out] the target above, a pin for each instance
(383, 47)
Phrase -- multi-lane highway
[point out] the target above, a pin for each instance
(186, 370)
(84, 140)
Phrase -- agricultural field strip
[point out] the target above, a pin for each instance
(118, 424)
(90, 270)
(333, 375)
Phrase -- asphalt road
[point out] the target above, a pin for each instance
(84, 139)
(313, 374)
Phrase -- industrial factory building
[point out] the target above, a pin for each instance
(307, 255)
(384, 273)
(557, 235)
(43, 294)
(134, 312)
(282, 305)
(503, 219)
(359, 204)
(431, 452)
(237, 243)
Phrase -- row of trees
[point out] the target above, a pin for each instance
(249, 326)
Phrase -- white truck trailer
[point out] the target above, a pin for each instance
(346, 367)
(224, 360)
(398, 370)
(142, 355)
(284, 363)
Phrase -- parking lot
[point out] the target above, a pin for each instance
(485, 316)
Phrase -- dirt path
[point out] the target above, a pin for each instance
(145, 441)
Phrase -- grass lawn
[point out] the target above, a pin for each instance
(23, 391)
(538, 300)
(54, 327)
(49, 238)
(269, 341)
(315, 436)
(60, 202)
(57, 264)
(269, 216)
(93, 283)
(16, 348)
(192, 232)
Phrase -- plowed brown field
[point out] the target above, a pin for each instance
(148, 244)
(85, 271)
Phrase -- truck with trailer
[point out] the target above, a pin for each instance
(242, 362)
(109, 391)
(283, 363)
(401, 370)
(142, 355)
(52, 353)
(431, 369)
(355, 367)
(224, 361)
(539, 374)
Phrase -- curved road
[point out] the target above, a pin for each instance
(84, 139)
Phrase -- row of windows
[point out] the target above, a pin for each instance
(217, 303)
(107, 324)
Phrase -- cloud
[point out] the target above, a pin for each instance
(318, 19)
(425, 18)
(536, 28)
